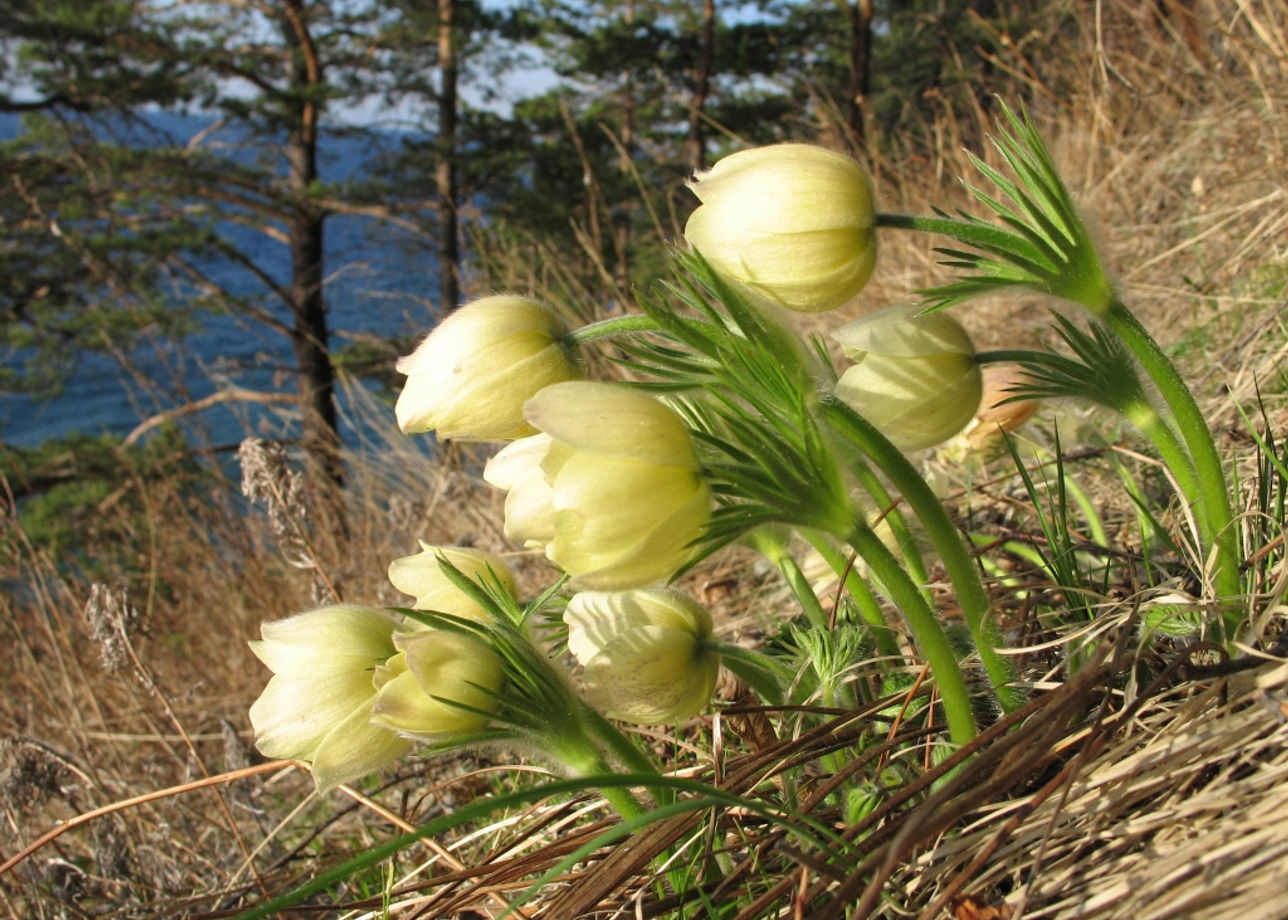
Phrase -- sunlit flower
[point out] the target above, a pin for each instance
(438, 684)
(643, 652)
(793, 223)
(317, 705)
(423, 578)
(915, 377)
(626, 497)
(470, 377)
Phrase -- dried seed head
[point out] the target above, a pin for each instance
(29, 775)
(111, 844)
(269, 480)
(113, 620)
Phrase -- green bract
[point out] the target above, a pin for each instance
(470, 377)
(792, 223)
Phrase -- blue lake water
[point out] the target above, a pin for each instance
(381, 281)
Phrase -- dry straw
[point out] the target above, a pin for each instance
(1172, 807)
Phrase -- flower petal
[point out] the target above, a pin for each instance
(354, 748)
(595, 618)
(436, 670)
(287, 727)
(903, 331)
(296, 643)
(612, 420)
(651, 675)
(422, 576)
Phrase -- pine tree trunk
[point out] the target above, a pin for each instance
(320, 429)
(449, 257)
(860, 76)
(701, 88)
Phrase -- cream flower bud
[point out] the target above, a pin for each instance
(439, 684)
(915, 377)
(626, 489)
(643, 652)
(470, 377)
(997, 416)
(423, 578)
(317, 706)
(529, 509)
(792, 223)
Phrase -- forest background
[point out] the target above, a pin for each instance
(171, 168)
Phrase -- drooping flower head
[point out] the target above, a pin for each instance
(470, 377)
(915, 377)
(317, 705)
(422, 577)
(438, 684)
(791, 223)
(643, 652)
(621, 496)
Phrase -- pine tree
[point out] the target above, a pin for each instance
(116, 214)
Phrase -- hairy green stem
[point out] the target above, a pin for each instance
(930, 636)
(618, 744)
(1172, 452)
(608, 328)
(887, 642)
(944, 536)
(582, 754)
(587, 764)
(1146, 419)
(1212, 486)
(772, 546)
(894, 519)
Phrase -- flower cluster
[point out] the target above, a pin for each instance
(353, 686)
(608, 481)
(731, 426)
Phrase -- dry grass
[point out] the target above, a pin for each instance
(1146, 785)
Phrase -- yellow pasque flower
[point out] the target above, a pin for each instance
(620, 497)
(643, 652)
(470, 377)
(915, 378)
(793, 223)
(422, 577)
(317, 705)
(439, 684)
